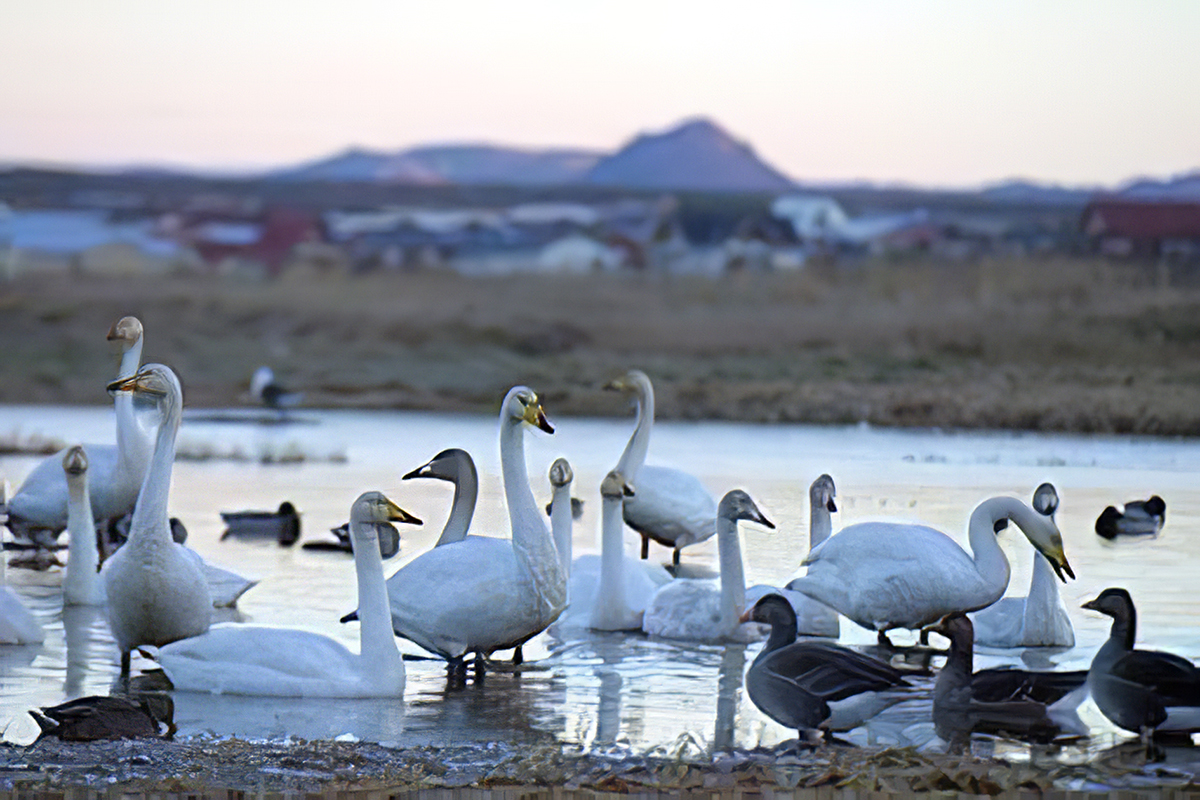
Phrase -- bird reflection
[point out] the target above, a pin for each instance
(85, 631)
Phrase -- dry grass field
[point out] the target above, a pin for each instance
(1046, 344)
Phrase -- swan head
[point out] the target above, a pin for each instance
(370, 521)
(634, 381)
(521, 404)
(1042, 532)
(614, 486)
(822, 492)
(127, 331)
(447, 465)
(737, 505)
(1045, 500)
(561, 473)
(260, 380)
(773, 610)
(75, 460)
(155, 381)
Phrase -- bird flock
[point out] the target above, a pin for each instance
(473, 594)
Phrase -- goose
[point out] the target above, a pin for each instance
(285, 662)
(815, 687)
(456, 466)
(1139, 518)
(282, 525)
(98, 717)
(1037, 620)
(18, 625)
(962, 704)
(1143, 691)
(705, 610)
(265, 389)
(610, 590)
(81, 585)
(812, 618)
(885, 575)
(671, 507)
(505, 591)
(38, 510)
(156, 589)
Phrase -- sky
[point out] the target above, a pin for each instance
(947, 93)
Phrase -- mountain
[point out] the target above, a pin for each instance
(1182, 188)
(1031, 193)
(467, 165)
(696, 156)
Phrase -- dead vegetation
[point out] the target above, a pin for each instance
(1046, 344)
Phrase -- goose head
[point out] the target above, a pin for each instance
(1114, 602)
(1045, 500)
(561, 473)
(127, 331)
(75, 460)
(447, 465)
(822, 492)
(955, 627)
(737, 505)
(614, 486)
(773, 610)
(521, 404)
(370, 520)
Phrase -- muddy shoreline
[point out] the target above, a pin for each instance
(218, 765)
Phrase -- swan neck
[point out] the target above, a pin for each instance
(562, 524)
(1043, 588)
(639, 443)
(462, 510)
(129, 437)
(611, 594)
(531, 538)
(820, 524)
(733, 578)
(990, 561)
(150, 513)
(83, 560)
(378, 643)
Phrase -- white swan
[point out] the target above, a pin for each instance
(812, 618)
(82, 585)
(156, 590)
(18, 625)
(284, 662)
(501, 592)
(1038, 620)
(562, 519)
(39, 507)
(671, 507)
(705, 610)
(886, 575)
(456, 466)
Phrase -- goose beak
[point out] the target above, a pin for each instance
(1090, 605)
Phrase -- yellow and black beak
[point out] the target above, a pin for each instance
(398, 514)
(138, 382)
(534, 415)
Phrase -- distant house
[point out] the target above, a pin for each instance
(65, 240)
(1123, 227)
(266, 239)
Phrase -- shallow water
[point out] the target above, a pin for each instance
(602, 689)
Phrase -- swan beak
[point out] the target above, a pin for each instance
(134, 383)
(831, 507)
(398, 514)
(627, 490)
(422, 471)
(535, 416)
(1064, 567)
(757, 516)
(617, 385)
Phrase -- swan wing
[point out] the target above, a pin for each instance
(685, 609)
(884, 575)
(671, 507)
(41, 501)
(464, 596)
(17, 623)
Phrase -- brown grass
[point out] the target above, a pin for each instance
(1059, 344)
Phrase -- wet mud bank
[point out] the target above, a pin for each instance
(498, 771)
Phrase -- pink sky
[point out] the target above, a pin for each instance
(933, 92)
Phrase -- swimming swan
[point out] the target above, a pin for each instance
(1037, 620)
(671, 507)
(704, 610)
(18, 625)
(82, 585)
(156, 588)
(562, 513)
(284, 662)
(812, 618)
(484, 594)
(886, 575)
(115, 472)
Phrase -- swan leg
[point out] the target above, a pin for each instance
(518, 657)
(480, 667)
(645, 547)
(884, 641)
(675, 558)
(123, 680)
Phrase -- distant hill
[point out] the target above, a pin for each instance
(695, 156)
(467, 165)
(1028, 192)
(1183, 188)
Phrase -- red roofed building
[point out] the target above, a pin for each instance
(267, 238)
(1139, 227)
